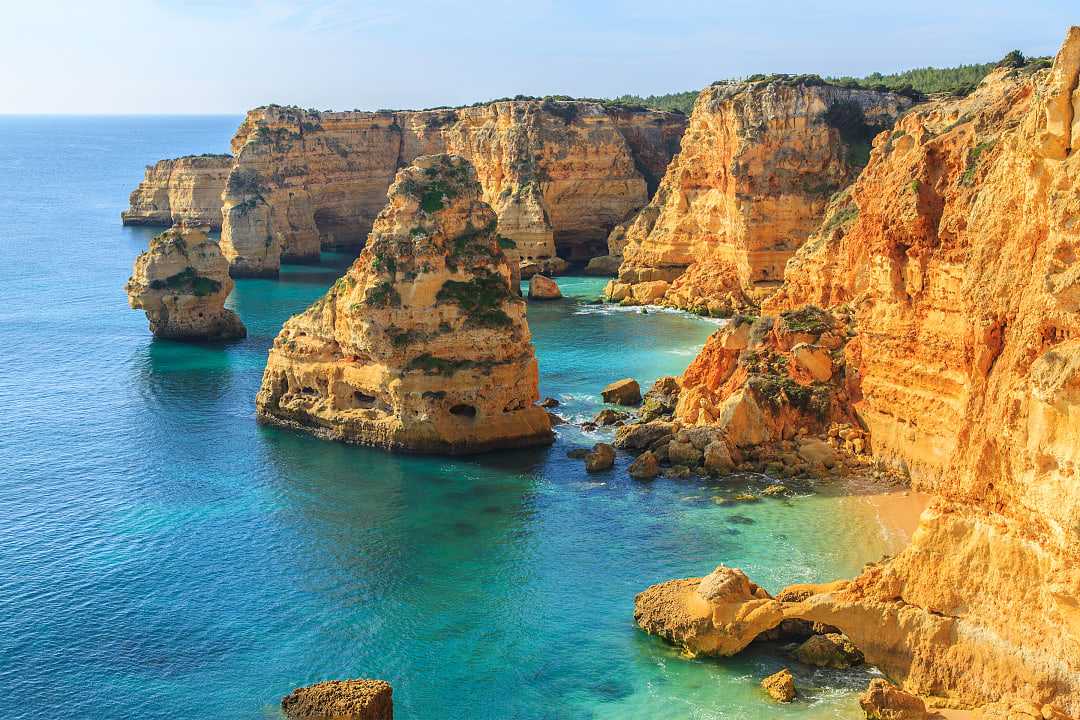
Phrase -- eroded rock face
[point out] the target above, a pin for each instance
(341, 700)
(884, 701)
(956, 250)
(758, 164)
(421, 346)
(182, 190)
(181, 282)
(559, 174)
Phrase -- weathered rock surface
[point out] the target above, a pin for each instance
(622, 392)
(182, 190)
(181, 282)
(956, 253)
(645, 467)
(884, 701)
(602, 457)
(543, 288)
(421, 346)
(341, 700)
(559, 174)
(758, 163)
(780, 686)
(959, 251)
(719, 614)
(831, 650)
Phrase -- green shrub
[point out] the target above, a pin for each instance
(480, 299)
(968, 178)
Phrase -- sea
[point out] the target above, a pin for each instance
(163, 556)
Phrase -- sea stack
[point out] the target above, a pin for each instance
(422, 346)
(341, 700)
(181, 190)
(181, 282)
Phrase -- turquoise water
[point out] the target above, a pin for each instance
(164, 556)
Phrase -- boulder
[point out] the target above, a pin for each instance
(340, 700)
(542, 287)
(717, 457)
(549, 402)
(181, 282)
(884, 701)
(602, 457)
(780, 686)
(607, 416)
(815, 360)
(817, 452)
(640, 436)
(661, 399)
(833, 650)
(645, 467)
(622, 392)
(683, 453)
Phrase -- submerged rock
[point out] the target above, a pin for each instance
(421, 346)
(341, 700)
(181, 282)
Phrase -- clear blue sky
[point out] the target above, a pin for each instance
(206, 56)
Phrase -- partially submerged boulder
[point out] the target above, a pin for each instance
(181, 282)
(719, 614)
(622, 392)
(602, 457)
(780, 686)
(542, 287)
(341, 700)
(421, 346)
(832, 650)
(645, 467)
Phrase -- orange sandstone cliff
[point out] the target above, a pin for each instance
(758, 163)
(421, 346)
(559, 174)
(183, 190)
(957, 256)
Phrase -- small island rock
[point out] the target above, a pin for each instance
(341, 700)
(542, 287)
(602, 457)
(780, 686)
(181, 282)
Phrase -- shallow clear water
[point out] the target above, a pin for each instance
(163, 556)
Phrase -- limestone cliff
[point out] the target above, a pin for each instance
(421, 346)
(185, 189)
(181, 282)
(957, 254)
(758, 163)
(559, 174)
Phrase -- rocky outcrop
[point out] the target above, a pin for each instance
(543, 288)
(956, 253)
(758, 164)
(884, 701)
(341, 700)
(421, 346)
(183, 190)
(780, 686)
(181, 282)
(559, 174)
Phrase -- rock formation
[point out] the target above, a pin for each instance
(341, 700)
(543, 288)
(184, 190)
(181, 282)
(559, 174)
(421, 346)
(780, 686)
(884, 701)
(758, 164)
(957, 254)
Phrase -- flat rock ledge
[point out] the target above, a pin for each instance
(341, 700)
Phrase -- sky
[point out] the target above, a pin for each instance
(225, 56)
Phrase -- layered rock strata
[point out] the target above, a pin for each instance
(182, 190)
(421, 346)
(559, 174)
(758, 164)
(957, 252)
(181, 282)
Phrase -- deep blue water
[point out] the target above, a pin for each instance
(164, 556)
